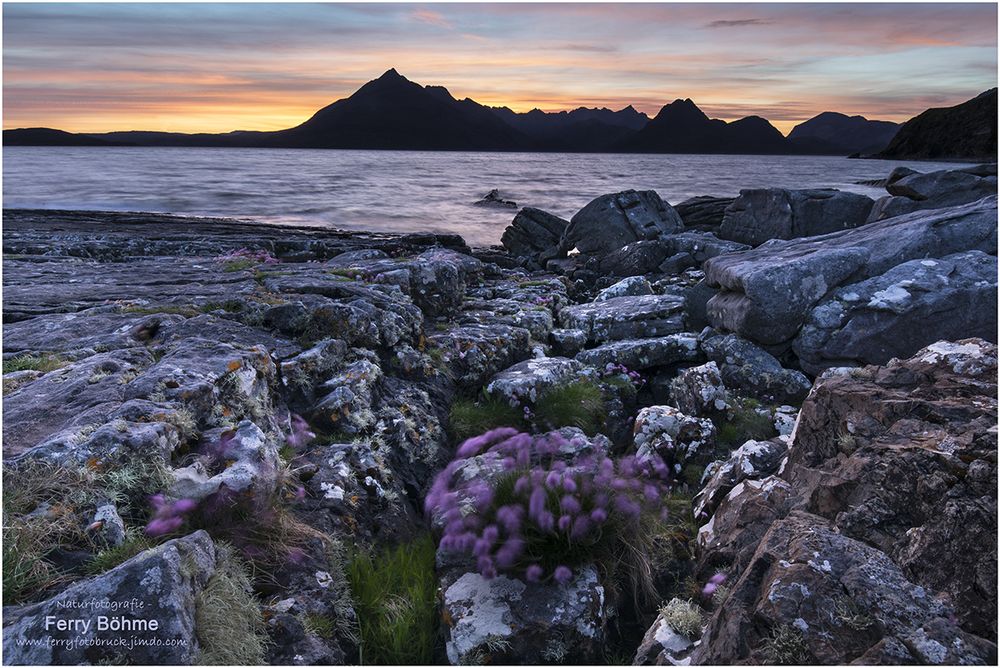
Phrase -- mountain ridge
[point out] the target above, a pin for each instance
(392, 112)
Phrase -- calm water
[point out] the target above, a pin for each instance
(391, 190)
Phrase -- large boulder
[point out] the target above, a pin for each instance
(916, 191)
(668, 255)
(759, 215)
(875, 542)
(640, 354)
(612, 221)
(904, 309)
(704, 212)
(767, 293)
(534, 234)
(143, 612)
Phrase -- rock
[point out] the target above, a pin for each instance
(641, 354)
(158, 589)
(635, 259)
(524, 382)
(303, 373)
(753, 460)
(935, 190)
(110, 527)
(699, 391)
(626, 317)
(494, 200)
(252, 466)
(755, 372)
(703, 213)
(534, 233)
(475, 352)
(505, 621)
(662, 646)
(678, 438)
(885, 507)
(348, 398)
(668, 255)
(633, 286)
(767, 293)
(813, 595)
(567, 342)
(776, 213)
(887, 316)
(613, 221)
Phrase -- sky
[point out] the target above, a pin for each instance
(220, 67)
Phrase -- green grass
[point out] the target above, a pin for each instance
(320, 625)
(395, 598)
(742, 424)
(471, 418)
(579, 404)
(228, 619)
(105, 560)
(43, 363)
(239, 265)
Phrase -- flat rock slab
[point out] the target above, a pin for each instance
(644, 353)
(620, 318)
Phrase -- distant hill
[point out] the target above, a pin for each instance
(681, 127)
(392, 112)
(967, 131)
(839, 134)
(50, 137)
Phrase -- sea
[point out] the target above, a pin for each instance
(394, 191)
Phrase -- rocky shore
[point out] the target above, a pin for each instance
(791, 396)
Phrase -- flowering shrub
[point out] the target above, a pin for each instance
(615, 369)
(539, 516)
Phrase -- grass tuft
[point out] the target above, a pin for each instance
(43, 363)
(684, 617)
(105, 560)
(395, 598)
(471, 418)
(744, 423)
(786, 647)
(229, 623)
(579, 404)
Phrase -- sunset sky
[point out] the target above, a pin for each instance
(220, 67)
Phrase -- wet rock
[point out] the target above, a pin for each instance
(633, 286)
(504, 620)
(700, 391)
(524, 382)
(703, 213)
(751, 461)
(159, 585)
(493, 199)
(887, 316)
(755, 372)
(678, 438)
(626, 317)
(534, 234)
(766, 293)
(641, 354)
(616, 220)
(776, 213)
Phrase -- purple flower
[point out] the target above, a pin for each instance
(508, 554)
(510, 518)
(301, 434)
(491, 533)
(184, 506)
(562, 574)
(522, 484)
(553, 479)
(159, 527)
(545, 521)
(569, 485)
(581, 525)
(713, 584)
(598, 515)
(533, 573)
(564, 522)
(536, 504)
(569, 504)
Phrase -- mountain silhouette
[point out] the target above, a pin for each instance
(681, 127)
(392, 112)
(839, 134)
(966, 131)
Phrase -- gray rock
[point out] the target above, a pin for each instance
(636, 258)
(505, 621)
(158, 587)
(253, 467)
(898, 313)
(639, 354)
(524, 382)
(627, 287)
(704, 212)
(534, 233)
(699, 391)
(776, 213)
(755, 372)
(474, 353)
(626, 317)
(348, 398)
(766, 293)
(493, 199)
(612, 221)
(567, 342)
(678, 438)
(751, 461)
(662, 645)
(914, 191)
